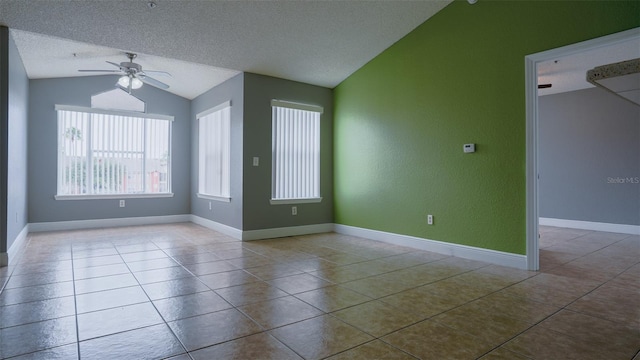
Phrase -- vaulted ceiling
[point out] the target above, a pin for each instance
(203, 43)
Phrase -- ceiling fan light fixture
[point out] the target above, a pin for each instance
(135, 82)
(124, 81)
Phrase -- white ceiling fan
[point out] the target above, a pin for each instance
(132, 74)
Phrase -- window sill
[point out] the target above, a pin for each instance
(113, 196)
(294, 201)
(214, 198)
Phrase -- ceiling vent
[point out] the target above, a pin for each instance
(622, 79)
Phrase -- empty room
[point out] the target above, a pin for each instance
(319, 179)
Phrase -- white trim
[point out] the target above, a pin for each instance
(113, 196)
(591, 225)
(213, 197)
(531, 97)
(294, 201)
(114, 112)
(214, 225)
(221, 106)
(286, 231)
(297, 106)
(103, 223)
(531, 198)
(462, 251)
(18, 245)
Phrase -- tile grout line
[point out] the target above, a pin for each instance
(152, 304)
(466, 303)
(602, 283)
(75, 302)
(586, 254)
(264, 331)
(375, 338)
(37, 321)
(237, 308)
(406, 326)
(564, 307)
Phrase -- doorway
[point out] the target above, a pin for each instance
(531, 93)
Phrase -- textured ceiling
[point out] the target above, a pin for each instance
(316, 42)
(47, 57)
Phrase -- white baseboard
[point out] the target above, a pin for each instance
(219, 227)
(590, 225)
(287, 231)
(149, 220)
(103, 223)
(16, 247)
(463, 251)
(262, 233)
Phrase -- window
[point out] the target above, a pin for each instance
(295, 152)
(117, 99)
(104, 153)
(214, 147)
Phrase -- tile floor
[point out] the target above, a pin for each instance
(181, 291)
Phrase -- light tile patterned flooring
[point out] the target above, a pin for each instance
(181, 291)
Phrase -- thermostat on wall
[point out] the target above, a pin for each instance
(469, 148)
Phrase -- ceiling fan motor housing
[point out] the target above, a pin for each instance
(131, 67)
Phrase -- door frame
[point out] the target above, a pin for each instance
(531, 93)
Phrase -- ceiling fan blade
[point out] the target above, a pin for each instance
(108, 71)
(151, 81)
(114, 64)
(156, 72)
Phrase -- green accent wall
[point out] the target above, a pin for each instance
(401, 120)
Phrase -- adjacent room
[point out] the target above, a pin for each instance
(318, 180)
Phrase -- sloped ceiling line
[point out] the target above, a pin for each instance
(203, 43)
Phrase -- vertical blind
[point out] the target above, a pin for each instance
(295, 151)
(214, 152)
(108, 154)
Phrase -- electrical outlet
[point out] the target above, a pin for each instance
(294, 210)
(209, 205)
(256, 161)
(121, 203)
(430, 219)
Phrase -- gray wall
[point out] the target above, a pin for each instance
(589, 157)
(259, 90)
(225, 213)
(44, 94)
(17, 147)
(249, 208)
